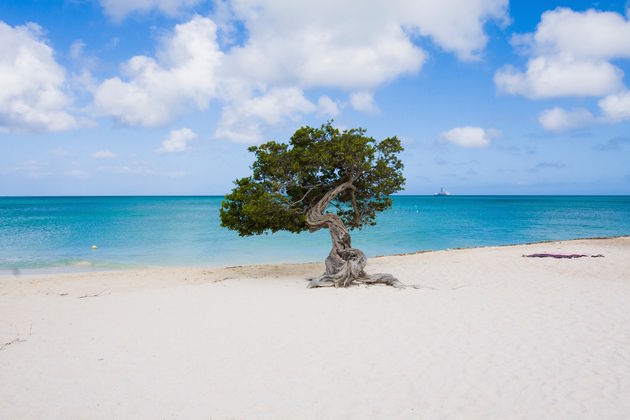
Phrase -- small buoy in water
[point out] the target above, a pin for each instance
(94, 247)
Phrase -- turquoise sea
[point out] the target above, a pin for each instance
(57, 233)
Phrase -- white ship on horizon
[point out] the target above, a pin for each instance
(442, 192)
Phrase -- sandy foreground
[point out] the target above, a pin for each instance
(490, 335)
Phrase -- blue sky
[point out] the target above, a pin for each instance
(164, 96)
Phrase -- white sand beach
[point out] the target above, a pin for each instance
(490, 335)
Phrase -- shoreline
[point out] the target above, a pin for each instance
(172, 276)
(223, 195)
(77, 269)
(507, 245)
(489, 334)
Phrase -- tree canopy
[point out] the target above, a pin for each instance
(290, 178)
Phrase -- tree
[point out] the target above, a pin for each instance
(292, 185)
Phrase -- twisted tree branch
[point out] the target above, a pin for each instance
(344, 264)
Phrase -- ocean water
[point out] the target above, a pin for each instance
(57, 233)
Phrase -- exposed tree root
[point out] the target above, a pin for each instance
(344, 273)
(344, 264)
(367, 279)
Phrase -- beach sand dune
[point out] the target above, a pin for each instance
(491, 334)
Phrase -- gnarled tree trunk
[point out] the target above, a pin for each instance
(344, 264)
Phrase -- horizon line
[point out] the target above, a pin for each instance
(223, 195)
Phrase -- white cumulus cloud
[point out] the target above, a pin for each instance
(327, 107)
(156, 90)
(290, 47)
(549, 77)
(332, 43)
(612, 109)
(177, 141)
(557, 119)
(326, 43)
(469, 136)
(570, 54)
(364, 102)
(591, 34)
(241, 121)
(616, 107)
(33, 86)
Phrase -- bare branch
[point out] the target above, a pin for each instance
(307, 193)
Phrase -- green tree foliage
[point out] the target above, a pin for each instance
(289, 179)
